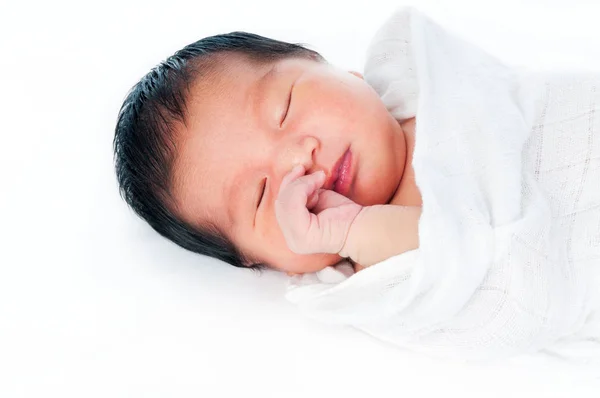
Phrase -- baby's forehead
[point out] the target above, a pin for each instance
(214, 87)
(218, 69)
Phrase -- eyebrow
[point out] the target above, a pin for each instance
(232, 191)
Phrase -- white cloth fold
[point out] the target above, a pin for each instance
(508, 165)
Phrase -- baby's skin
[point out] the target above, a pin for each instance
(316, 220)
(249, 124)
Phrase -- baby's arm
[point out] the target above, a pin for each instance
(380, 232)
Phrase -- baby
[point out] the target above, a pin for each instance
(261, 154)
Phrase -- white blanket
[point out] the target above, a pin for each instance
(508, 165)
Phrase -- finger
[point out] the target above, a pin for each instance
(291, 210)
(333, 224)
(328, 199)
(297, 192)
(313, 199)
(296, 172)
(292, 207)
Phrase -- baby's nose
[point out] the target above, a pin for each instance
(299, 152)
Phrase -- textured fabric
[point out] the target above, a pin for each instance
(508, 165)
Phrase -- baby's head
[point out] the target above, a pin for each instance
(203, 141)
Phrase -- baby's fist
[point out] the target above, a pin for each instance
(313, 220)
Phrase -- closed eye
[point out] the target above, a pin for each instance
(287, 109)
(262, 192)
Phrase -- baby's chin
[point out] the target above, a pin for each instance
(331, 260)
(377, 185)
(381, 199)
(309, 263)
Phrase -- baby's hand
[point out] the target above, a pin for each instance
(313, 220)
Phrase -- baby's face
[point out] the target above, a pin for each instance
(249, 126)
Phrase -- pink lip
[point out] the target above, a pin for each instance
(343, 174)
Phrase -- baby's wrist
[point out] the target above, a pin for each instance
(351, 246)
(381, 231)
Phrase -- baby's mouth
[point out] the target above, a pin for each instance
(342, 175)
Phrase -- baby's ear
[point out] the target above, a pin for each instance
(356, 74)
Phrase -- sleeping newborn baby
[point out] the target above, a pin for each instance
(260, 153)
(464, 190)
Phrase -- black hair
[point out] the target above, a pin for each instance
(144, 142)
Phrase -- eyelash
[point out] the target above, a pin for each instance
(287, 109)
(264, 188)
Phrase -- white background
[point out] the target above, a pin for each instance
(94, 303)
